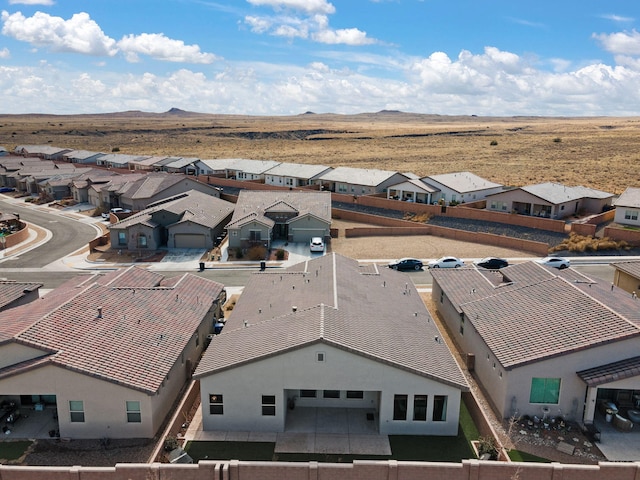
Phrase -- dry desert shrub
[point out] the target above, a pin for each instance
(582, 243)
(417, 217)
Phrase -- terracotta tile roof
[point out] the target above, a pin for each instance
(252, 205)
(542, 313)
(611, 372)
(374, 313)
(143, 328)
(11, 291)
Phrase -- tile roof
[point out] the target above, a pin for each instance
(252, 204)
(462, 182)
(373, 312)
(192, 206)
(145, 325)
(611, 372)
(540, 313)
(11, 291)
(629, 198)
(358, 176)
(630, 267)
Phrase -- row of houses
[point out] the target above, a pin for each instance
(547, 200)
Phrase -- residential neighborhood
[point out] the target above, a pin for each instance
(316, 345)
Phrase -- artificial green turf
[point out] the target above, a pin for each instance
(403, 447)
(13, 450)
(518, 456)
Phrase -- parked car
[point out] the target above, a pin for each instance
(316, 244)
(7, 189)
(446, 262)
(555, 262)
(120, 210)
(492, 263)
(406, 264)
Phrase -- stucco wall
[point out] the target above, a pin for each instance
(630, 236)
(340, 371)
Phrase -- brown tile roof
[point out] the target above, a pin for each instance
(611, 372)
(629, 267)
(540, 315)
(252, 205)
(331, 300)
(11, 291)
(144, 327)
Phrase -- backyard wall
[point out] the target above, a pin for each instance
(618, 234)
(358, 470)
(396, 227)
(18, 237)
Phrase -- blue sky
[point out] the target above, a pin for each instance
(283, 57)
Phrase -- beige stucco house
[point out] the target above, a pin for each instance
(627, 275)
(627, 207)
(293, 216)
(550, 200)
(461, 187)
(107, 354)
(359, 181)
(329, 334)
(188, 220)
(542, 341)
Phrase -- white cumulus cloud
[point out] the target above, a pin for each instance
(160, 47)
(79, 34)
(620, 43)
(5, 53)
(307, 6)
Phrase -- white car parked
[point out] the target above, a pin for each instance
(446, 262)
(316, 244)
(555, 262)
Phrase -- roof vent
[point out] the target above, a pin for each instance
(246, 324)
(99, 312)
(294, 308)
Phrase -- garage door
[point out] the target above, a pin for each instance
(190, 240)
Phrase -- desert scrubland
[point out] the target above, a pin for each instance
(602, 152)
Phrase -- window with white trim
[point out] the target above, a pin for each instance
(76, 411)
(216, 405)
(268, 405)
(133, 411)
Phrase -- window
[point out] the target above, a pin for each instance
(545, 390)
(331, 393)
(355, 394)
(216, 406)
(133, 412)
(320, 356)
(268, 405)
(439, 408)
(255, 235)
(76, 411)
(289, 181)
(142, 241)
(399, 407)
(420, 407)
(307, 394)
(122, 238)
(631, 215)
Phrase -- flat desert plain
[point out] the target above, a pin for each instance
(599, 152)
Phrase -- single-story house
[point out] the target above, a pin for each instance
(627, 207)
(82, 156)
(245, 169)
(294, 174)
(81, 184)
(184, 165)
(107, 355)
(330, 334)
(294, 216)
(413, 190)
(627, 275)
(461, 187)
(45, 152)
(188, 220)
(146, 164)
(359, 181)
(140, 192)
(59, 186)
(550, 200)
(118, 160)
(535, 336)
(218, 167)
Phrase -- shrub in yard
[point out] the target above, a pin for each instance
(487, 445)
(257, 253)
(170, 443)
(280, 254)
(582, 243)
(493, 143)
(238, 252)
